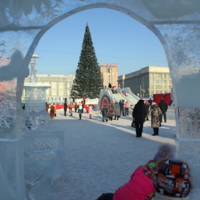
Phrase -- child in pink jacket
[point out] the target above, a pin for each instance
(90, 112)
(140, 185)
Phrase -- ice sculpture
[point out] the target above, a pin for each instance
(35, 93)
(174, 22)
(43, 157)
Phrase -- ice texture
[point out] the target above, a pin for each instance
(43, 157)
(12, 169)
(23, 24)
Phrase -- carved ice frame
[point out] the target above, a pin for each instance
(178, 31)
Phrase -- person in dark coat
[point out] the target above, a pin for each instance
(117, 111)
(104, 113)
(65, 109)
(121, 104)
(75, 106)
(163, 107)
(150, 102)
(139, 114)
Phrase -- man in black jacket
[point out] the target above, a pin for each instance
(163, 107)
(139, 114)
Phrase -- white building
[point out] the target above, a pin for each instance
(60, 86)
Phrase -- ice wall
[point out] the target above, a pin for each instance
(182, 45)
(175, 23)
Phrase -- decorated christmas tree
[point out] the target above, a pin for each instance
(88, 80)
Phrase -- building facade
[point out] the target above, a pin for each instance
(147, 81)
(60, 86)
(110, 73)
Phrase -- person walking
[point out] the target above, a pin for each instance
(52, 111)
(155, 113)
(150, 102)
(80, 110)
(47, 107)
(117, 111)
(121, 104)
(90, 111)
(104, 113)
(111, 110)
(70, 108)
(65, 109)
(147, 105)
(127, 105)
(139, 114)
(75, 106)
(163, 107)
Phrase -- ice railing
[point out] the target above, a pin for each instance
(43, 153)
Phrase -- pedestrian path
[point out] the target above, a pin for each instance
(100, 156)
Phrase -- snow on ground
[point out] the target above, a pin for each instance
(100, 156)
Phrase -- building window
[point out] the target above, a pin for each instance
(53, 92)
(68, 84)
(68, 92)
(158, 86)
(165, 87)
(53, 84)
(164, 75)
(158, 75)
(152, 87)
(165, 81)
(47, 91)
(61, 85)
(60, 92)
(158, 81)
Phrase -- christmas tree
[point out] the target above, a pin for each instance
(88, 80)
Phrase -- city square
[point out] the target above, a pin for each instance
(48, 154)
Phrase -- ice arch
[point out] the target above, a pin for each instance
(176, 23)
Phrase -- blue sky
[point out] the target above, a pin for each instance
(117, 38)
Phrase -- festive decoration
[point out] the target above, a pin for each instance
(88, 80)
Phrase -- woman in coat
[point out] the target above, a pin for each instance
(155, 113)
(127, 105)
(52, 111)
(80, 110)
(70, 108)
(117, 110)
(111, 110)
(139, 114)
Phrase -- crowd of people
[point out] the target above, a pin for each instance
(161, 178)
(115, 110)
(77, 107)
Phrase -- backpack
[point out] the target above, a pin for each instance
(173, 179)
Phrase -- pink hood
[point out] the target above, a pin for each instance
(127, 105)
(139, 187)
(90, 111)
